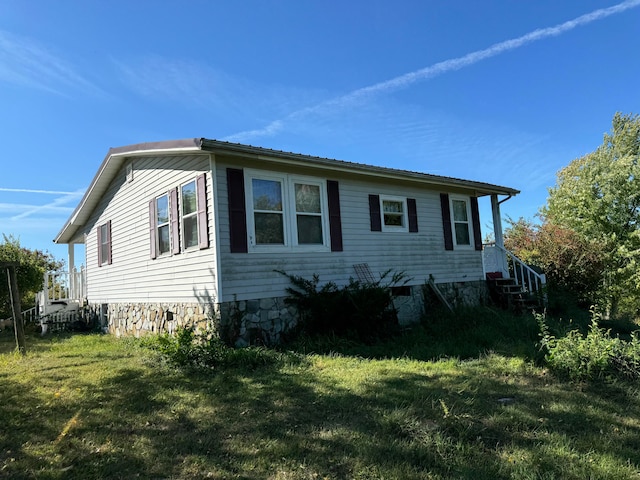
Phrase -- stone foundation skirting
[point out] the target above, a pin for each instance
(264, 321)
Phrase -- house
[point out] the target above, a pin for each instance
(193, 231)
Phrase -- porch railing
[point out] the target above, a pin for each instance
(65, 285)
(498, 259)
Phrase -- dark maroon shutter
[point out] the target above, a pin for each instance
(475, 219)
(335, 221)
(374, 213)
(412, 211)
(203, 224)
(99, 245)
(237, 210)
(446, 221)
(109, 242)
(175, 221)
(153, 217)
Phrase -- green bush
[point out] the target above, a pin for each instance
(595, 355)
(360, 310)
(187, 349)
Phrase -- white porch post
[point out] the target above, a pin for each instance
(497, 233)
(72, 267)
(71, 254)
(497, 221)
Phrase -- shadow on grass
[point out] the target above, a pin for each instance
(130, 416)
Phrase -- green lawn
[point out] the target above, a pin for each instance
(89, 406)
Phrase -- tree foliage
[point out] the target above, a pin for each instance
(571, 262)
(597, 196)
(32, 264)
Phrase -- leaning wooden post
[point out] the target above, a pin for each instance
(15, 306)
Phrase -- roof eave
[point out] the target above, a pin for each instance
(107, 171)
(277, 156)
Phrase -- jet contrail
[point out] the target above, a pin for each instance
(440, 68)
(27, 190)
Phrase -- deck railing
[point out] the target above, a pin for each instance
(60, 286)
(498, 259)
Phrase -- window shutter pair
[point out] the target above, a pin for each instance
(446, 222)
(238, 212)
(107, 260)
(203, 230)
(375, 217)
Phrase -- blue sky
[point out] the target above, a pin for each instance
(506, 92)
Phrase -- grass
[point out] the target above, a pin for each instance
(471, 403)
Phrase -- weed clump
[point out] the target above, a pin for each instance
(200, 351)
(596, 355)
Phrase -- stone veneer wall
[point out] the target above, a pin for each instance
(248, 322)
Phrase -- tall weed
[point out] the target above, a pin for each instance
(596, 355)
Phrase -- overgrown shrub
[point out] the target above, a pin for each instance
(595, 355)
(359, 310)
(188, 349)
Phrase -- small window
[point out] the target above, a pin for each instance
(461, 221)
(189, 215)
(104, 244)
(162, 225)
(394, 213)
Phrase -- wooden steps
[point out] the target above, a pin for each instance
(507, 294)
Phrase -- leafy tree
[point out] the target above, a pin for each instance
(598, 197)
(573, 264)
(30, 272)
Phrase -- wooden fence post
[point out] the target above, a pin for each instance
(18, 326)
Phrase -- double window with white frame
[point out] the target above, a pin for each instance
(286, 211)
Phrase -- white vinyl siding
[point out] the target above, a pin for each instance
(419, 255)
(135, 277)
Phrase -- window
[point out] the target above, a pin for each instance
(461, 221)
(162, 225)
(286, 211)
(268, 211)
(394, 214)
(104, 244)
(178, 219)
(308, 214)
(188, 201)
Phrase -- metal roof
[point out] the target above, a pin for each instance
(116, 156)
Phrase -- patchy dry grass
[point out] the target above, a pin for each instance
(92, 406)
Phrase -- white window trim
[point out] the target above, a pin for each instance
(467, 202)
(290, 222)
(405, 214)
(193, 214)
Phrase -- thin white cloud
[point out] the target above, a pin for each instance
(26, 63)
(54, 205)
(14, 208)
(28, 190)
(437, 69)
(191, 83)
